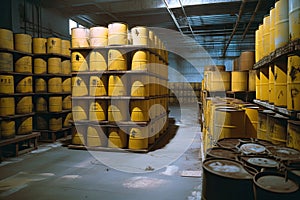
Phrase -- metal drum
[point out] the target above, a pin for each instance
(117, 60)
(293, 83)
(96, 137)
(80, 37)
(98, 86)
(219, 152)
(98, 36)
(79, 87)
(97, 61)
(54, 45)
(280, 86)
(117, 138)
(138, 138)
(6, 62)
(140, 35)
(23, 42)
(264, 84)
(24, 65)
(78, 61)
(260, 163)
(294, 19)
(271, 84)
(98, 110)
(39, 45)
(239, 81)
(117, 34)
(139, 111)
(117, 111)
(117, 86)
(6, 39)
(281, 23)
(293, 131)
(232, 179)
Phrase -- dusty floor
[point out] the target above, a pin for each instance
(56, 172)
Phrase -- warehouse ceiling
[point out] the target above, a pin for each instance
(225, 27)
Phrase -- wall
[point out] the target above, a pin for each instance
(26, 19)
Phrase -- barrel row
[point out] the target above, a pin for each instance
(118, 60)
(25, 43)
(236, 81)
(279, 27)
(9, 128)
(119, 110)
(231, 118)
(118, 85)
(117, 34)
(279, 84)
(134, 138)
(252, 168)
(53, 123)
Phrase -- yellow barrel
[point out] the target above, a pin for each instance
(266, 35)
(40, 85)
(293, 83)
(139, 110)
(229, 123)
(65, 47)
(39, 45)
(140, 60)
(78, 135)
(117, 85)
(24, 64)
(67, 120)
(239, 81)
(98, 111)
(7, 106)
(67, 103)
(151, 38)
(140, 35)
(97, 61)
(246, 60)
(80, 110)
(41, 105)
(98, 86)
(7, 129)
(67, 85)
(117, 111)
(79, 87)
(6, 62)
(66, 67)
(257, 47)
(40, 66)
(281, 23)
(80, 37)
(264, 84)
(54, 65)
(117, 138)
(260, 41)
(55, 124)
(294, 19)
(25, 85)
(257, 84)
(140, 86)
(251, 121)
(218, 81)
(117, 60)
(138, 138)
(251, 80)
(272, 29)
(79, 62)
(55, 85)
(55, 104)
(280, 86)
(263, 129)
(6, 39)
(98, 36)
(43, 123)
(271, 84)
(54, 45)
(23, 42)
(117, 34)
(96, 137)
(24, 105)
(278, 129)
(293, 132)
(25, 126)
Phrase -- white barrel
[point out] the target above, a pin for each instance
(140, 35)
(97, 61)
(294, 19)
(281, 23)
(98, 36)
(117, 34)
(80, 37)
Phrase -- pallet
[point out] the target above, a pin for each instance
(16, 145)
(52, 136)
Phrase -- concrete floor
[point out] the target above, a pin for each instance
(56, 172)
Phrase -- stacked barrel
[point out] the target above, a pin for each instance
(119, 87)
(15, 84)
(184, 92)
(281, 79)
(52, 72)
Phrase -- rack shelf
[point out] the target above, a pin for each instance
(117, 97)
(48, 55)
(52, 94)
(16, 54)
(292, 48)
(17, 116)
(54, 113)
(281, 110)
(52, 75)
(16, 73)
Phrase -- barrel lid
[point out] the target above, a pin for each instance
(262, 162)
(229, 109)
(252, 148)
(226, 168)
(284, 153)
(276, 183)
(229, 143)
(267, 111)
(219, 152)
(278, 116)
